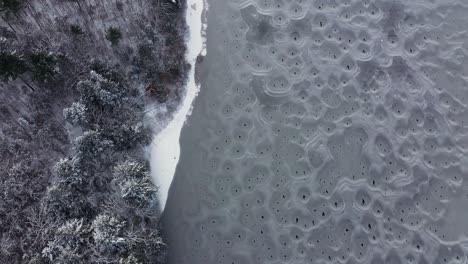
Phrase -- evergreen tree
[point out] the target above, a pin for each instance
(114, 35)
(135, 185)
(76, 114)
(76, 30)
(43, 65)
(12, 65)
(11, 5)
(109, 234)
(70, 244)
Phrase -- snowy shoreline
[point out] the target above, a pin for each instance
(165, 148)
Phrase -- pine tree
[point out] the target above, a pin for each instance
(12, 65)
(43, 65)
(114, 35)
(13, 6)
(135, 185)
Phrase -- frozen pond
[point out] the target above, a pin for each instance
(326, 132)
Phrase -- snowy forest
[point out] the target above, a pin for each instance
(77, 81)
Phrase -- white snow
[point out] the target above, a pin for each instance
(165, 149)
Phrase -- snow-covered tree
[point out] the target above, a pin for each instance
(70, 244)
(68, 168)
(76, 114)
(108, 233)
(135, 185)
(94, 147)
(130, 259)
(105, 103)
(131, 169)
(67, 211)
(68, 197)
(130, 135)
(139, 193)
(65, 200)
(146, 244)
(98, 91)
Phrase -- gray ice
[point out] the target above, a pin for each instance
(326, 132)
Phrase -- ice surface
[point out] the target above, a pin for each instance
(326, 132)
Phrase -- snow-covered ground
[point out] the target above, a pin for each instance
(165, 149)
